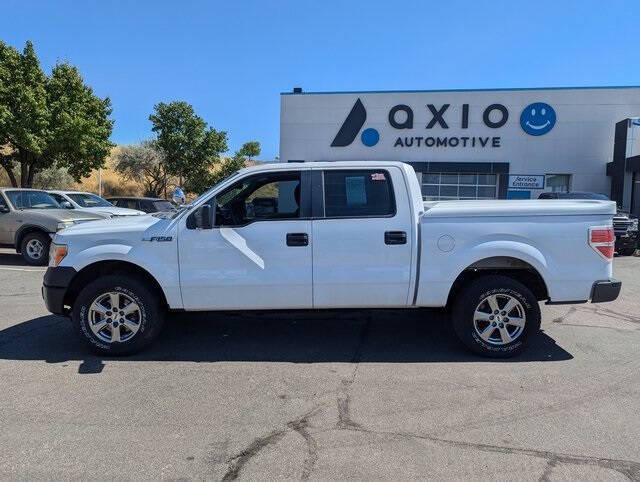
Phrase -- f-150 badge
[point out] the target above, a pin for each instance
(158, 238)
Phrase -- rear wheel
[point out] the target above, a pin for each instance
(35, 248)
(495, 315)
(118, 315)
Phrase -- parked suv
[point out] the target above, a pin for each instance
(86, 201)
(624, 225)
(146, 204)
(28, 219)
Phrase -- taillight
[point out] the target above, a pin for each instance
(602, 239)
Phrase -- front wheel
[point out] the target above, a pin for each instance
(35, 248)
(495, 315)
(627, 251)
(118, 315)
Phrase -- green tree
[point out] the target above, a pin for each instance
(205, 179)
(190, 147)
(48, 122)
(143, 163)
(250, 149)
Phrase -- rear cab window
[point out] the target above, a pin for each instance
(358, 193)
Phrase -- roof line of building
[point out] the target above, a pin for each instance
(504, 89)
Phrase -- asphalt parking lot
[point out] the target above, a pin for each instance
(321, 396)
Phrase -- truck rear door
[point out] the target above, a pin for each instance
(361, 238)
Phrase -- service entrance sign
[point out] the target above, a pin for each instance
(526, 181)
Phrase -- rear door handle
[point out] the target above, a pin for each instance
(297, 239)
(395, 237)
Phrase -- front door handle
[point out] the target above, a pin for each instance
(395, 237)
(297, 239)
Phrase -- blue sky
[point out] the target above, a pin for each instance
(232, 59)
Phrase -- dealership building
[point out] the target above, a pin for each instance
(478, 144)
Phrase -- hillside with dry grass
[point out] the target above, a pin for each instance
(113, 183)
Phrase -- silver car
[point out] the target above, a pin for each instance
(28, 218)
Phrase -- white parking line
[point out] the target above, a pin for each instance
(23, 269)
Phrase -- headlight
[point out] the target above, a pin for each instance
(64, 224)
(57, 252)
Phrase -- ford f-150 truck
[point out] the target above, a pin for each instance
(333, 235)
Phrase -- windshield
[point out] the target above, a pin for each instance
(163, 205)
(181, 209)
(89, 200)
(32, 200)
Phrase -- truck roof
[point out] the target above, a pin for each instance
(324, 165)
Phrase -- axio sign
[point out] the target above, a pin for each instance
(536, 119)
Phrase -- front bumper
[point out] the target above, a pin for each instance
(54, 288)
(607, 290)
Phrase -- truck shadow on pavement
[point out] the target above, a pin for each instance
(12, 259)
(371, 336)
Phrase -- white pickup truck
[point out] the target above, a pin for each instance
(333, 235)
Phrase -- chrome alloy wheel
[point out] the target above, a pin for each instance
(499, 319)
(114, 317)
(35, 249)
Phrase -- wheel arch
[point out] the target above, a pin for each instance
(26, 229)
(509, 266)
(109, 267)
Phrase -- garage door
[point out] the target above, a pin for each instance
(444, 185)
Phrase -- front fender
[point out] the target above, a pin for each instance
(163, 269)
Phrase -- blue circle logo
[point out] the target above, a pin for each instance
(370, 137)
(537, 119)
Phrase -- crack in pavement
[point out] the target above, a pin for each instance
(344, 394)
(598, 310)
(628, 468)
(298, 425)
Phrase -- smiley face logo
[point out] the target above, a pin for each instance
(537, 118)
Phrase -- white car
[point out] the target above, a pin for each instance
(85, 201)
(333, 235)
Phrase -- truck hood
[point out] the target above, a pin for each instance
(114, 211)
(60, 215)
(113, 227)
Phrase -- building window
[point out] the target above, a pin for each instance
(558, 182)
(444, 185)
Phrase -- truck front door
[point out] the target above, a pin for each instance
(362, 238)
(258, 254)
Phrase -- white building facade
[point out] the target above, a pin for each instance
(469, 144)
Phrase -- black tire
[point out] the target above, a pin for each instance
(150, 316)
(470, 298)
(42, 238)
(627, 251)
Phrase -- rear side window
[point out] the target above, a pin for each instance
(357, 193)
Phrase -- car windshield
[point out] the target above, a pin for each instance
(32, 200)
(163, 205)
(89, 200)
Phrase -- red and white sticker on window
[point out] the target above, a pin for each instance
(377, 176)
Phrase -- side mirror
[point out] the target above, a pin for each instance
(203, 218)
(178, 196)
(66, 205)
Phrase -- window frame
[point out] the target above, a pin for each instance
(318, 202)
(305, 198)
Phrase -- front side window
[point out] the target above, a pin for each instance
(32, 200)
(273, 196)
(89, 200)
(3, 204)
(358, 193)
